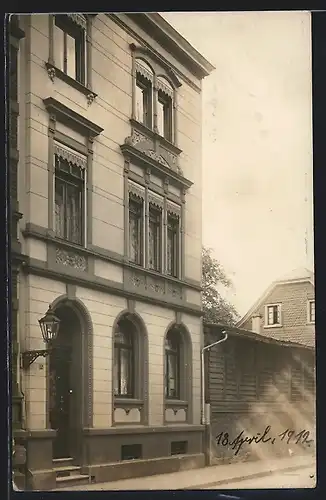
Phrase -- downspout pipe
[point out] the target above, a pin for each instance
(207, 348)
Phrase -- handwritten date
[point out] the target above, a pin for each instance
(290, 436)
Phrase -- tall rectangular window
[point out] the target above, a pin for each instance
(155, 238)
(172, 245)
(70, 47)
(164, 116)
(69, 200)
(136, 211)
(144, 101)
(273, 315)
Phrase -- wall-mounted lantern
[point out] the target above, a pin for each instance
(49, 325)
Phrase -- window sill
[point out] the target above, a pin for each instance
(125, 402)
(155, 135)
(54, 72)
(310, 323)
(273, 326)
(175, 403)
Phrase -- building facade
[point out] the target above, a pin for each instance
(286, 311)
(109, 228)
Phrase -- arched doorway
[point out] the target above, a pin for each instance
(66, 384)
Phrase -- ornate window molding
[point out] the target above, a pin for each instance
(139, 243)
(78, 72)
(161, 92)
(75, 155)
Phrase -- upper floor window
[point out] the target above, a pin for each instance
(147, 231)
(155, 109)
(123, 367)
(165, 108)
(273, 315)
(136, 229)
(311, 311)
(70, 199)
(69, 45)
(173, 244)
(155, 237)
(144, 93)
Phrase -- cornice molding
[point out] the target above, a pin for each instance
(140, 158)
(161, 31)
(68, 116)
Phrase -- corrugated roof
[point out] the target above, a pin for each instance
(272, 338)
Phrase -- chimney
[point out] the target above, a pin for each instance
(256, 323)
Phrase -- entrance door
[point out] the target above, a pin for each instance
(60, 396)
(66, 387)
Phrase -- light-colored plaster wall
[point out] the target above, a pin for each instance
(103, 309)
(111, 76)
(36, 294)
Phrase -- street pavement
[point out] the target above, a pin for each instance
(262, 474)
(300, 478)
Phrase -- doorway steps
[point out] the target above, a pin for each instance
(68, 474)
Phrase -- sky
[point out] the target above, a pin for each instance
(257, 143)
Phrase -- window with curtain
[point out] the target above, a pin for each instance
(155, 237)
(172, 365)
(69, 199)
(123, 366)
(136, 222)
(70, 45)
(172, 245)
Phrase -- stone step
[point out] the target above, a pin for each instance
(66, 470)
(73, 480)
(62, 462)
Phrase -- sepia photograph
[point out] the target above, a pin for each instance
(162, 250)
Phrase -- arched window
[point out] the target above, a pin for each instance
(123, 371)
(144, 93)
(172, 364)
(165, 108)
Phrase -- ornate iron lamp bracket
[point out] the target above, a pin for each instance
(28, 357)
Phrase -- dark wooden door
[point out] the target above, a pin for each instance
(60, 399)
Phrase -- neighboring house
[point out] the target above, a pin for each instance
(286, 311)
(105, 170)
(253, 381)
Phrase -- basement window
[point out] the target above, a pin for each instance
(179, 447)
(131, 451)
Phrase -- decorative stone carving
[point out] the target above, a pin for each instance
(155, 286)
(175, 290)
(156, 156)
(70, 156)
(135, 138)
(90, 98)
(71, 259)
(136, 190)
(137, 280)
(172, 208)
(156, 200)
(78, 19)
(51, 73)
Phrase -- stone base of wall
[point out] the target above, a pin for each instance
(41, 480)
(139, 468)
(224, 449)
